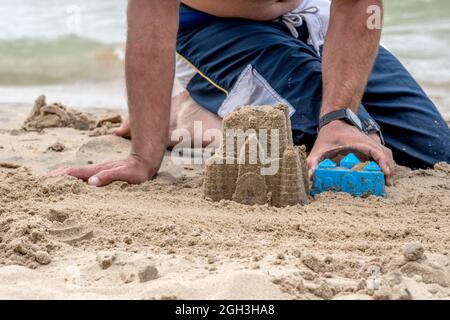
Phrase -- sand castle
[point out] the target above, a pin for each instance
(278, 177)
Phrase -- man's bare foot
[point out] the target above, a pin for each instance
(124, 129)
(184, 112)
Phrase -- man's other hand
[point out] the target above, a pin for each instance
(133, 170)
(338, 137)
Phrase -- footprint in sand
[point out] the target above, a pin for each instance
(71, 232)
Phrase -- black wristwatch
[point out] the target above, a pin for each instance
(346, 115)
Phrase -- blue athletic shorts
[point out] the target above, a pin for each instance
(241, 62)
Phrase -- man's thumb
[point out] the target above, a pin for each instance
(94, 181)
(104, 178)
(311, 163)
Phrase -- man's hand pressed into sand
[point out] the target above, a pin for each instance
(133, 170)
(149, 70)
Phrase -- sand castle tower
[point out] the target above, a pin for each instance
(257, 162)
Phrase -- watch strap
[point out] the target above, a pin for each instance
(342, 114)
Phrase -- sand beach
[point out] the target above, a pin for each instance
(63, 239)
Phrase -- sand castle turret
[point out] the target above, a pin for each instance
(292, 183)
(257, 162)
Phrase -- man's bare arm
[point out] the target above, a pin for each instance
(150, 56)
(349, 54)
(149, 68)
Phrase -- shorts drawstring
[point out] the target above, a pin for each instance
(295, 19)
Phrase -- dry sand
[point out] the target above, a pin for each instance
(60, 238)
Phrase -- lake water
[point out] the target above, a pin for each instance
(58, 45)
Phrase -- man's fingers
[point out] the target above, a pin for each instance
(83, 173)
(57, 172)
(132, 170)
(383, 159)
(311, 162)
(106, 177)
(317, 156)
(391, 165)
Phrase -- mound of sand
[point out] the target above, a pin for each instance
(60, 238)
(56, 115)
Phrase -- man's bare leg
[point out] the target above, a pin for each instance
(184, 112)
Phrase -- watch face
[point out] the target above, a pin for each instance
(354, 118)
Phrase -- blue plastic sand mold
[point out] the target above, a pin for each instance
(362, 182)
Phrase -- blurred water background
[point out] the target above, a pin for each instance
(73, 50)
